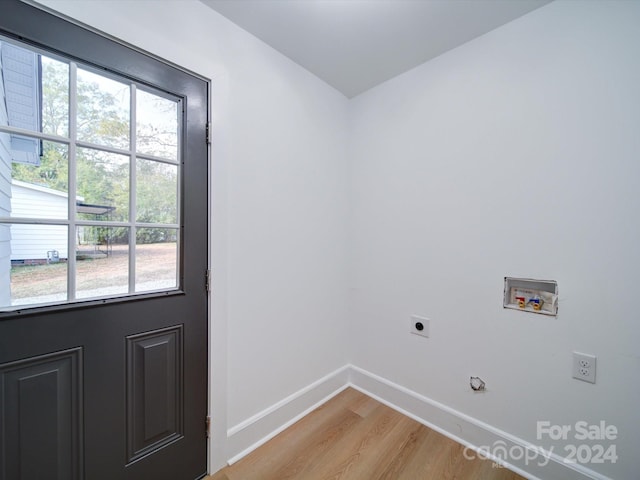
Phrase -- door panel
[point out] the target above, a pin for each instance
(41, 418)
(155, 390)
(114, 387)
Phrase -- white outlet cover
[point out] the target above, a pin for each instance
(584, 367)
(415, 321)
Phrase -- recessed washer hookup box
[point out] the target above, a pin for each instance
(529, 295)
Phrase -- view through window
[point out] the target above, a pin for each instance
(89, 182)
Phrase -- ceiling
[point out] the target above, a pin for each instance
(354, 45)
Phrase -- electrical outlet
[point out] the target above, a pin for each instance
(419, 325)
(584, 367)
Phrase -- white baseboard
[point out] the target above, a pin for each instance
(248, 435)
(469, 431)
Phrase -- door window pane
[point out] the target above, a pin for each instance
(156, 258)
(55, 97)
(103, 185)
(103, 110)
(36, 258)
(156, 192)
(90, 183)
(41, 190)
(157, 125)
(35, 93)
(102, 261)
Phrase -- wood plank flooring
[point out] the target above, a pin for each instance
(354, 437)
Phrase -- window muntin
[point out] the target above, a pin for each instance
(106, 153)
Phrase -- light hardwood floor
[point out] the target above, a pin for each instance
(354, 437)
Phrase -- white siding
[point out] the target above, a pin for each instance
(5, 205)
(21, 92)
(32, 242)
(5, 172)
(33, 201)
(5, 265)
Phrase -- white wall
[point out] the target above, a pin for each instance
(516, 154)
(279, 191)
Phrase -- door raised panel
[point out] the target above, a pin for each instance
(41, 408)
(154, 391)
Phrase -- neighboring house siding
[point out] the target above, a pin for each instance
(32, 242)
(20, 76)
(5, 203)
(34, 201)
(19, 107)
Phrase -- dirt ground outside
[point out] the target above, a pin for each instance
(156, 268)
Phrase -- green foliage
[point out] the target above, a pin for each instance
(53, 169)
(55, 97)
(156, 192)
(102, 117)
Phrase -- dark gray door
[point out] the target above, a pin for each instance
(103, 335)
